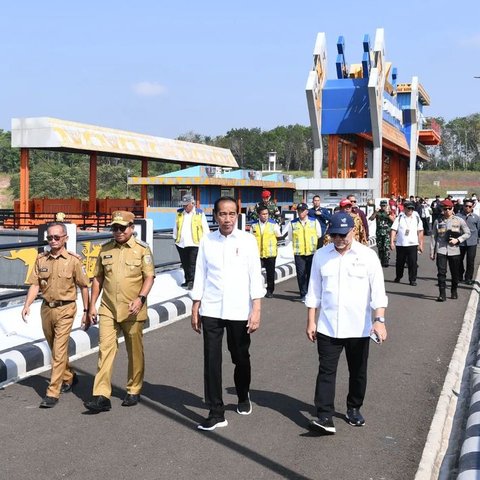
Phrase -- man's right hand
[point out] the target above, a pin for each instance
(25, 314)
(196, 318)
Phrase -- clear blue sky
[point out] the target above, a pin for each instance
(166, 68)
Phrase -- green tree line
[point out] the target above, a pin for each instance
(64, 175)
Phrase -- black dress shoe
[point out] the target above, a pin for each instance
(130, 400)
(413, 283)
(454, 295)
(68, 387)
(269, 295)
(441, 298)
(98, 403)
(184, 284)
(48, 402)
(397, 280)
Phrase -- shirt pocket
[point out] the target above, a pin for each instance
(330, 279)
(65, 273)
(107, 264)
(43, 278)
(133, 267)
(357, 272)
(44, 274)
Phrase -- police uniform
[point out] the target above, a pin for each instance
(122, 268)
(443, 230)
(58, 277)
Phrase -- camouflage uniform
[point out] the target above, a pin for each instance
(384, 224)
(273, 211)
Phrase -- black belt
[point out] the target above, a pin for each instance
(57, 303)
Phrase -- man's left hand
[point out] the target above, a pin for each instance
(380, 330)
(135, 306)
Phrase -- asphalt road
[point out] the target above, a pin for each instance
(158, 438)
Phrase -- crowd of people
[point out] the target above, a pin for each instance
(223, 270)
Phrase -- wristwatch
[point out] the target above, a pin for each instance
(379, 319)
(143, 298)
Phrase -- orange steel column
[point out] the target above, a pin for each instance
(92, 196)
(24, 181)
(144, 187)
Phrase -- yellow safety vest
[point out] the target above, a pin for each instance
(304, 238)
(267, 241)
(197, 227)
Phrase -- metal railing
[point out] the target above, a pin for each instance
(84, 220)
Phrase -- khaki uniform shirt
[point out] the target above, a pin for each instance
(123, 269)
(59, 276)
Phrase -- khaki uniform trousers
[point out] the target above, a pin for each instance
(108, 347)
(57, 324)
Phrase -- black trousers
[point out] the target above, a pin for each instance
(303, 265)
(470, 251)
(408, 255)
(329, 350)
(238, 342)
(268, 264)
(453, 262)
(188, 258)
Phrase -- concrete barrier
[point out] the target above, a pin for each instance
(33, 357)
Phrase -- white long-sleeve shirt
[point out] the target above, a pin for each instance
(346, 289)
(228, 275)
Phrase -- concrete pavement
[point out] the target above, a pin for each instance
(158, 438)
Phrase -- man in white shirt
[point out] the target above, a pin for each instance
(346, 287)
(406, 236)
(190, 226)
(227, 296)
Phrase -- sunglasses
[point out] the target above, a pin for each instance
(447, 208)
(119, 228)
(468, 206)
(54, 237)
(353, 201)
(340, 235)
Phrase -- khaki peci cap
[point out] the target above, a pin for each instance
(122, 217)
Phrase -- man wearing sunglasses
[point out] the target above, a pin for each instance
(468, 248)
(358, 211)
(346, 303)
(57, 274)
(448, 232)
(125, 272)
